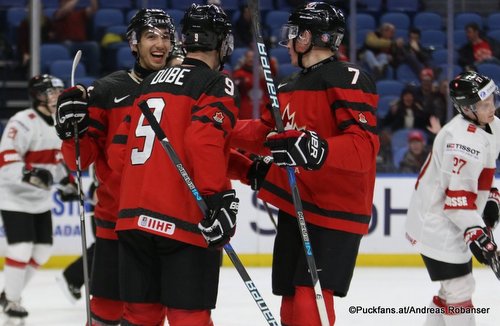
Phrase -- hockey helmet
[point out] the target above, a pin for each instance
(207, 28)
(150, 18)
(469, 88)
(41, 85)
(325, 22)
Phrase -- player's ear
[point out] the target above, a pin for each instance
(304, 41)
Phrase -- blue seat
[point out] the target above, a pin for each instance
(464, 18)
(493, 21)
(490, 69)
(384, 104)
(14, 17)
(124, 58)
(409, 6)
(85, 81)
(389, 87)
(237, 55)
(106, 17)
(49, 12)
(176, 15)
(12, 3)
(456, 69)
(459, 38)
(494, 34)
(280, 5)
(440, 56)
(281, 54)
(433, 38)
(129, 14)
(399, 19)
(62, 69)
(117, 29)
(363, 21)
(49, 53)
(274, 20)
(50, 3)
(406, 75)
(428, 20)
(184, 4)
(160, 4)
(117, 4)
(361, 36)
(373, 6)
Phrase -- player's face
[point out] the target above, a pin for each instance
(51, 96)
(485, 110)
(153, 48)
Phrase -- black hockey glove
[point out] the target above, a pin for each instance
(480, 244)
(38, 177)
(68, 189)
(491, 210)
(219, 223)
(72, 106)
(298, 148)
(258, 171)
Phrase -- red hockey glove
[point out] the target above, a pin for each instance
(219, 223)
(72, 106)
(491, 210)
(38, 177)
(298, 148)
(480, 244)
(258, 171)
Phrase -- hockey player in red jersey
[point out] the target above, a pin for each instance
(328, 111)
(30, 160)
(151, 36)
(163, 235)
(445, 220)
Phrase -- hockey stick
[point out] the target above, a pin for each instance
(203, 207)
(494, 262)
(271, 88)
(81, 206)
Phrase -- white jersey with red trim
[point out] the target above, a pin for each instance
(452, 189)
(28, 138)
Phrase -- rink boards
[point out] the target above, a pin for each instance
(385, 245)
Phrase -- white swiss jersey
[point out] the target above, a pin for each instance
(452, 189)
(28, 138)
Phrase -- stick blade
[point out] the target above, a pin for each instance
(76, 60)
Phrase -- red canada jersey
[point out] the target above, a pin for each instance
(197, 109)
(337, 100)
(110, 100)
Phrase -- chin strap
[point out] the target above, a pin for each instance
(300, 55)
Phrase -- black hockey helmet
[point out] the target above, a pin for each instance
(470, 87)
(325, 22)
(42, 84)
(206, 28)
(150, 18)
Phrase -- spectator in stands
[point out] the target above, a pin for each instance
(379, 48)
(243, 35)
(478, 49)
(406, 113)
(417, 152)
(243, 78)
(385, 162)
(429, 96)
(413, 53)
(71, 25)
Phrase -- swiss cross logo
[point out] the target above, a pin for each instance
(32, 116)
(12, 133)
(471, 128)
(219, 117)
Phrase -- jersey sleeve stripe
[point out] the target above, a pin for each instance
(220, 106)
(9, 156)
(120, 139)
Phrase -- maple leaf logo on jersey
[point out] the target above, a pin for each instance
(362, 118)
(289, 120)
(218, 117)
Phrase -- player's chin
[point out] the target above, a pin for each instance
(157, 62)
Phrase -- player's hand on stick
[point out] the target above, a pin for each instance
(68, 189)
(258, 171)
(298, 148)
(219, 223)
(480, 244)
(72, 106)
(38, 177)
(491, 210)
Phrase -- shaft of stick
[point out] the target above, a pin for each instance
(297, 202)
(203, 207)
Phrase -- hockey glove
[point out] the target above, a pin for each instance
(38, 177)
(68, 189)
(72, 107)
(258, 171)
(298, 148)
(219, 223)
(480, 244)
(491, 210)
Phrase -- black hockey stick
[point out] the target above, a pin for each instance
(81, 206)
(271, 88)
(203, 207)
(494, 262)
